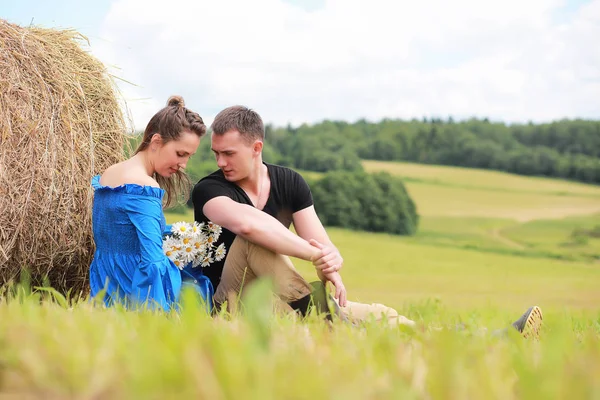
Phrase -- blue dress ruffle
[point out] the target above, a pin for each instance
(129, 262)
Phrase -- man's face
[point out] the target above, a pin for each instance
(235, 156)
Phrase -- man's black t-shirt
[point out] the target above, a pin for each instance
(289, 193)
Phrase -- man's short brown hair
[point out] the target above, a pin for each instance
(242, 119)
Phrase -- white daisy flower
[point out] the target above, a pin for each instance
(196, 228)
(202, 237)
(207, 260)
(210, 240)
(199, 246)
(187, 253)
(204, 241)
(168, 243)
(172, 254)
(215, 229)
(181, 228)
(170, 248)
(220, 252)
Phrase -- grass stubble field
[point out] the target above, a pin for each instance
(490, 244)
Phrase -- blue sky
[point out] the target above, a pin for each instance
(303, 61)
(86, 17)
(83, 16)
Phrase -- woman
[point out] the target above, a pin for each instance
(127, 216)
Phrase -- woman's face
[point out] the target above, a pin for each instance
(174, 155)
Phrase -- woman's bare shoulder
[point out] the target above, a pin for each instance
(125, 173)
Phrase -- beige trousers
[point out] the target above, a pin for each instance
(247, 261)
(362, 312)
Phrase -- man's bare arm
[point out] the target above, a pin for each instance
(309, 227)
(258, 227)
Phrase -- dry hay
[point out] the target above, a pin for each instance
(60, 123)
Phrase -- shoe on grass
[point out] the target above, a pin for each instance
(529, 324)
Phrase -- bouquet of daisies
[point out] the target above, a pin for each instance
(193, 243)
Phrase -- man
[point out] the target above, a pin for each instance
(256, 203)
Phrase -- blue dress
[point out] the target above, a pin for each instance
(128, 223)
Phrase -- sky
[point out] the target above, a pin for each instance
(297, 61)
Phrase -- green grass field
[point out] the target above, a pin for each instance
(463, 192)
(489, 245)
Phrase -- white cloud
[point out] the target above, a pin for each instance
(351, 59)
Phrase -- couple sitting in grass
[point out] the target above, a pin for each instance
(254, 202)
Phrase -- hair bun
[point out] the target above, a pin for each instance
(176, 101)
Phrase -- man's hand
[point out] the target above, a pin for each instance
(340, 290)
(330, 261)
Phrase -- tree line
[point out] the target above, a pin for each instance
(568, 149)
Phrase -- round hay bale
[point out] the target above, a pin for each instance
(60, 123)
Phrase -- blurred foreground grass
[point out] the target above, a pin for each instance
(78, 350)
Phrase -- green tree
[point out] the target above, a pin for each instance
(371, 202)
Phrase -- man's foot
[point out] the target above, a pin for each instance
(529, 324)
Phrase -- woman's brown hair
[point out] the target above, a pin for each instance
(169, 123)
